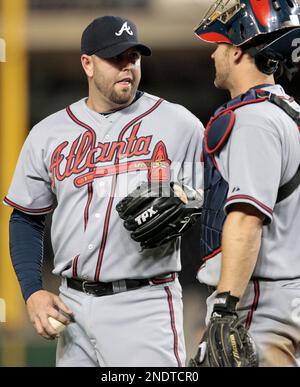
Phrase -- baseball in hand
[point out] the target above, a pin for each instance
(57, 325)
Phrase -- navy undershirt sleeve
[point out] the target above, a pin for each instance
(26, 250)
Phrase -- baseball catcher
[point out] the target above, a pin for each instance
(226, 342)
(251, 158)
(157, 213)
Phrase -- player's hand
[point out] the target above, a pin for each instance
(43, 304)
(226, 342)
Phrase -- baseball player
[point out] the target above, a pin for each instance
(122, 306)
(251, 214)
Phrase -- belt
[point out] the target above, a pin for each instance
(99, 289)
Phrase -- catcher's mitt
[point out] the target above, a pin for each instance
(226, 343)
(156, 212)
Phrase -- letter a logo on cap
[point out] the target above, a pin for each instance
(125, 28)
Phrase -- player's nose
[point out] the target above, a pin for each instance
(128, 64)
(213, 55)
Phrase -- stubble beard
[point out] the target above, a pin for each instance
(221, 79)
(122, 97)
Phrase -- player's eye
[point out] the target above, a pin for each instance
(117, 58)
(134, 56)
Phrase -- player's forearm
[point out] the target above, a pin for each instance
(26, 250)
(240, 247)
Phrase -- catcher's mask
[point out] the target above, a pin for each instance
(266, 29)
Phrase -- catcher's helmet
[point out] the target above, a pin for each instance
(264, 27)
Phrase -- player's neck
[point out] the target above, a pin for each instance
(241, 86)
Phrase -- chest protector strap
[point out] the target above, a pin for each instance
(220, 127)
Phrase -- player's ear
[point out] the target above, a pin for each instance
(88, 65)
(237, 54)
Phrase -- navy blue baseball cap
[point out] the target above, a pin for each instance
(109, 36)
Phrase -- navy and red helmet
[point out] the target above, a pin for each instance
(237, 22)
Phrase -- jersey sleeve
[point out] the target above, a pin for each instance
(30, 189)
(192, 171)
(254, 167)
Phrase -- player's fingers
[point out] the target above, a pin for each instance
(59, 316)
(61, 305)
(40, 329)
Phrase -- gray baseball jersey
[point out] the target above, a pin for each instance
(88, 162)
(262, 154)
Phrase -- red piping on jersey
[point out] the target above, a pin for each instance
(75, 266)
(27, 210)
(111, 200)
(208, 257)
(213, 254)
(90, 186)
(157, 281)
(80, 123)
(154, 107)
(254, 305)
(86, 210)
(251, 199)
(173, 325)
(105, 229)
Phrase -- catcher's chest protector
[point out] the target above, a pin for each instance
(216, 188)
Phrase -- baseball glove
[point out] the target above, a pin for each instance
(226, 343)
(157, 212)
